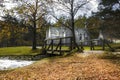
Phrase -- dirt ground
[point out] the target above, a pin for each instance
(75, 67)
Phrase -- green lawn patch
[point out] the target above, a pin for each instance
(95, 47)
(23, 50)
(115, 45)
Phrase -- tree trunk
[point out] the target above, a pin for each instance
(75, 45)
(34, 37)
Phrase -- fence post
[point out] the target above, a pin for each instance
(70, 43)
(60, 45)
(45, 44)
(52, 46)
(91, 45)
(103, 44)
(81, 45)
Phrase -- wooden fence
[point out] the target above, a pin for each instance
(52, 48)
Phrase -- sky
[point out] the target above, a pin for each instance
(92, 5)
(8, 5)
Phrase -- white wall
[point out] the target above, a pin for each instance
(57, 32)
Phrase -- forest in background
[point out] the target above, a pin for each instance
(16, 31)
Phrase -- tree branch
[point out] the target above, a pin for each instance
(76, 9)
(62, 22)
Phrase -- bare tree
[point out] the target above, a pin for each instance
(71, 8)
(33, 12)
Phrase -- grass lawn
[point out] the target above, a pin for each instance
(85, 47)
(115, 45)
(23, 50)
(96, 48)
(73, 67)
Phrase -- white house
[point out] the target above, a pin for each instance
(82, 34)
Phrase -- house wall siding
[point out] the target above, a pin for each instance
(58, 32)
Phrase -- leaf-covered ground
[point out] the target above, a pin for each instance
(75, 67)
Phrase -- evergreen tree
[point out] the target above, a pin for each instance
(109, 13)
